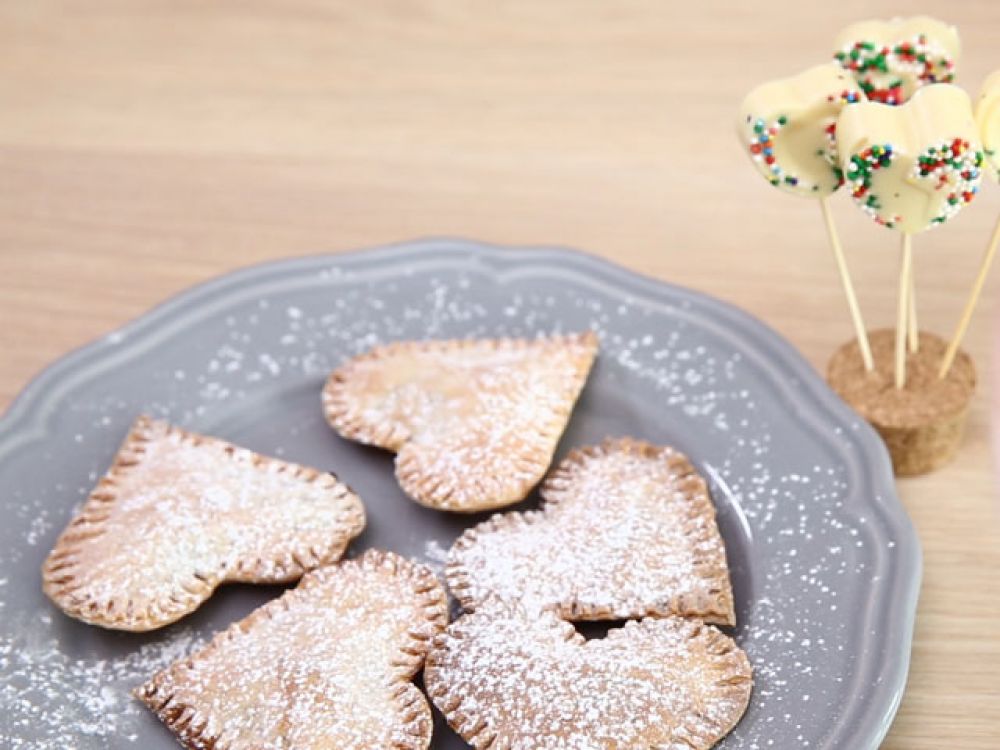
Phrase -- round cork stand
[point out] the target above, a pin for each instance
(922, 424)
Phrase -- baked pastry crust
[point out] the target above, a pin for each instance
(327, 665)
(177, 514)
(474, 423)
(506, 678)
(627, 529)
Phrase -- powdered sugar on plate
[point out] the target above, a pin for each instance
(54, 701)
(435, 556)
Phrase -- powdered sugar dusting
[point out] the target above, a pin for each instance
(435, 556)
(52, 701)
(628, 531)
(534, 684)
(326, 665)
(475, 423)
(180, 513)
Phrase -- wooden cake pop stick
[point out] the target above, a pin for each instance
(902, 309)
(988, 122)
(912, 328)
(845, 278)
(970, 304)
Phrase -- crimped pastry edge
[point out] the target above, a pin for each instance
(120, 613)
(189, 724)
(557, 489)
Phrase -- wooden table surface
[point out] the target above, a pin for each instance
(147, 146)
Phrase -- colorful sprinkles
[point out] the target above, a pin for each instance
(860, 171)
(954, 166)
(882, 71)
(762, 136)
(844, 97)
(762, 150)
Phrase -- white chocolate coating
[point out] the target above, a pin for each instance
(788, 127)
(914, 166)
(893, 59)
(988, 120)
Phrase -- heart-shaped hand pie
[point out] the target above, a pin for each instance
(892, 59)
(988, 121)
(914, 166)
(178, 514)
(790, 125)
(504, 678)
(327, 665)
(474, 423)
(627, 530)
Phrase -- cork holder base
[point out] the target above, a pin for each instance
(922, 424)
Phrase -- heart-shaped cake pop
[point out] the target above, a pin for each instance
(914, 166)
(627, 530)
(474, 423)
(178, 514)
(988, 121)
(789, 128)
(505, 678)
(327, 665)
(891, 60)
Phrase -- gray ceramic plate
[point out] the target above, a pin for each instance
(825, 563)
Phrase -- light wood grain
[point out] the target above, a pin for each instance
(146, 146)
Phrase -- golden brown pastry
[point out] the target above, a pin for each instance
(327, 665)
(505, 678)
(474, 423)
(177, 514)
(627, 529)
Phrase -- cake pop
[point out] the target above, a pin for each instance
(911, 167)
(788, 127)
